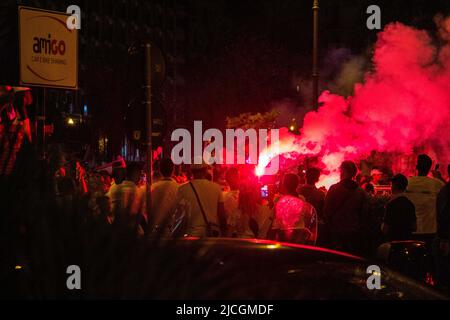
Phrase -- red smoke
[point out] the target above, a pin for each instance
(402, 105)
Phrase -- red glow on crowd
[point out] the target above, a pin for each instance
(287, 209)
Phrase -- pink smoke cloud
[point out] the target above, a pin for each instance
(402, 105)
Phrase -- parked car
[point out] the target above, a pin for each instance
(213, 268)
(260, 269)
(411, 258)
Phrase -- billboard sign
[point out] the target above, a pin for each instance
(48, 49)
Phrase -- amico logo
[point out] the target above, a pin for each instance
(49, 46)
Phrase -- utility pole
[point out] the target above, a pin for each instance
(148, 105)
(315, 71)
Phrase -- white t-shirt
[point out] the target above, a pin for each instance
(210, 195)
(123, 196)
(422, 191)
(164, 193)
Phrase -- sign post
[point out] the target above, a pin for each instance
(48, 52)
(148, 105)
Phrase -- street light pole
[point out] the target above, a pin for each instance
(315, 71)
(148, 105)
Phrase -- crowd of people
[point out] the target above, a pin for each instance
(337, 217)
(230, 202)
(352, 216)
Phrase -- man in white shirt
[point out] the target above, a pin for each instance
(211, 200)
(126, 200)
(164, 193)
(422, 191)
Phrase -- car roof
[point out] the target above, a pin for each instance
(268, 245)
